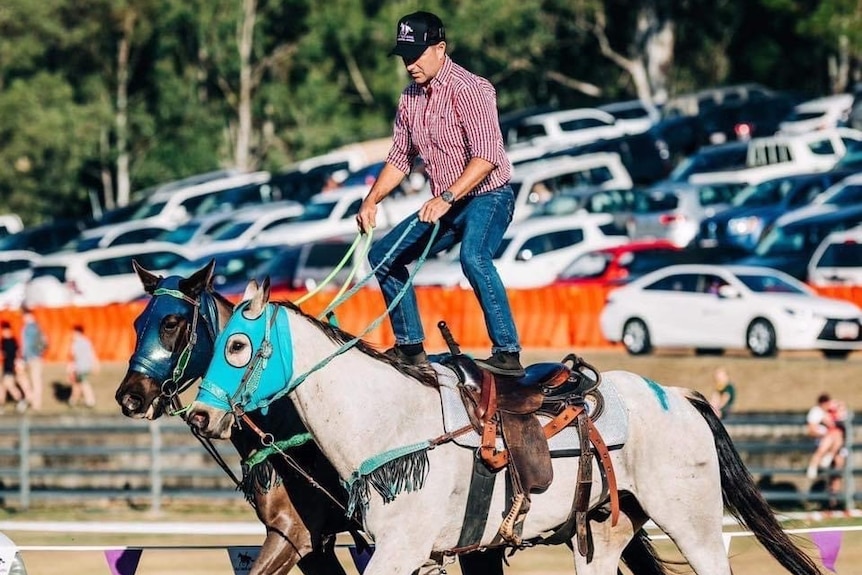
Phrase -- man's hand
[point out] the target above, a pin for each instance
(433, 210)
(366, 217)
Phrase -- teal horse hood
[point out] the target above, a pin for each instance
(253, 383)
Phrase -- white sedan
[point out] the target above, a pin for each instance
(709, 307)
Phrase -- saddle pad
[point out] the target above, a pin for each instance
(612, 423)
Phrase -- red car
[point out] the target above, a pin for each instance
(619, 265)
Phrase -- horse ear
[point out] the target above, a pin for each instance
(148, 278)
(250, 290)
(257, 298)
(199, 281)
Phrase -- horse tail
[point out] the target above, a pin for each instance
(743, 499)
(641, 558)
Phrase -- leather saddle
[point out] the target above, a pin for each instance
(509, 408)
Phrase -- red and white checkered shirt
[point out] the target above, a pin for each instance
(448, 122)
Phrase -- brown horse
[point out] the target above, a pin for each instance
(175, 340)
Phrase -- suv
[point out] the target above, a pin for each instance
(97, 277)
(756, 207)
(537, 182)
(645, 156)
(790, 243)
(563, 128)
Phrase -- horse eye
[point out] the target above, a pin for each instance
(171, 323)
(238, 350)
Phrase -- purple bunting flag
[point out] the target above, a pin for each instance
(123, 561)
(829, 543)
(361, 558)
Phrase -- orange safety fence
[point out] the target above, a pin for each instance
(555, 317)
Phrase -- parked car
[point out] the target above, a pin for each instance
(43, 238)
(97, 277)
(563, 128)
(818, 114)
(618, 265)
(246, 225)
(10, 224)
(318, 262)
(16, 267)
(280, 269)
(645, 156)
(791, 241)
(333, 213)
(744, 120)
(837, 261)
(713, 158)
(532, 253)
(756, 207)
(711, 307)
(537, 182)
(132, 232)
(232, 267)
(673, 211)
(588, 200)
(634, 116)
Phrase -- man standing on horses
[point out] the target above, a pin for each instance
(448, 117)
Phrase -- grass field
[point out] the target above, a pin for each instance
(790, 382)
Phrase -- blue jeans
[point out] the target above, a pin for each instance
(479, 223)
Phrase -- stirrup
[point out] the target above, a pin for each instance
(514, 518)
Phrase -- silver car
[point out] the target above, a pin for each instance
(673, 211)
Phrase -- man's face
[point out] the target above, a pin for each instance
(426, 66)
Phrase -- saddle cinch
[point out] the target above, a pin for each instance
(500, 407)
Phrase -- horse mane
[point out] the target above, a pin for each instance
(338, 335)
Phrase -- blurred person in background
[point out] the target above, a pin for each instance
(826, 422)
(724, 394)
(33, 346)
(82, 363)
(14, 379)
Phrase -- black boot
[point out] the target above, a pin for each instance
(507, 363)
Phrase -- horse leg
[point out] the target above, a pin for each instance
(608, 545)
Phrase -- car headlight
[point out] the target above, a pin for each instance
(750, 225)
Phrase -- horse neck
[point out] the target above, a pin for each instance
(357, 406)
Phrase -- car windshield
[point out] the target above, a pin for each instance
(315, 211)
(762, 283)
(846, 195)
(181, 234)
(148, 210)
(781, 241)
(655, 201)
(764, 194)
(588, 266)
(233, 231)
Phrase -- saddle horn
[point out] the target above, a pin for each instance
(454, 348)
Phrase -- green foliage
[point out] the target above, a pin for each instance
(322, 74)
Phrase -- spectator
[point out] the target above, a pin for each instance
(825, 422)
(724, 394)
(14, 381)
(33, 344)
(82, 363)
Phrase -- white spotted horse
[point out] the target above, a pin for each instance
(381, 426)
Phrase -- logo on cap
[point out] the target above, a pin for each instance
(405, 33)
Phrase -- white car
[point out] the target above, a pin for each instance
(97, 277)
(710, 307)
(16, 267)
(634, 116)
(837, 261)
(536, 183)
(818, 114)
(564, 128)
(245, 225)
(533, 252)
(333, 213)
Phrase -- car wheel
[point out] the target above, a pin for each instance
(636, 337)
(835, 353)
(760, 338)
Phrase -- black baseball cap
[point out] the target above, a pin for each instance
(416, 32)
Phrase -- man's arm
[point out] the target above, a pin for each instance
(390, 177)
